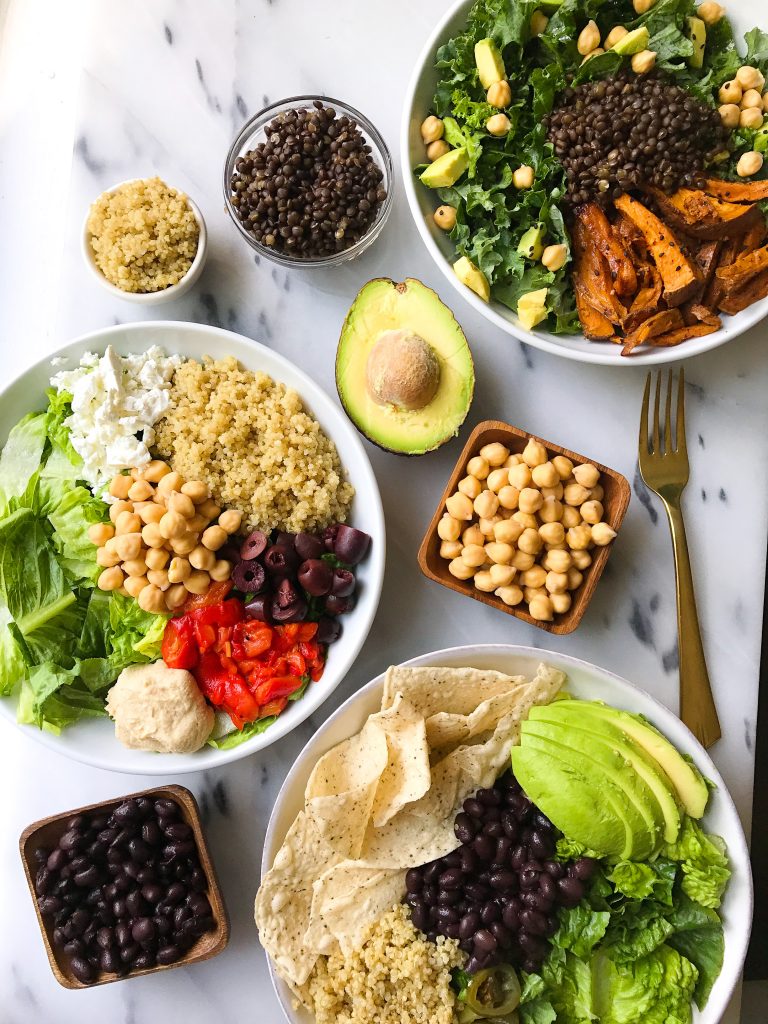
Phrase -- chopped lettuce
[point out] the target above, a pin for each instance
(655, 989)
(703, 862)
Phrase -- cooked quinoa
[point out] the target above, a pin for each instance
(252, 441)
(397, 977)
(143, 235)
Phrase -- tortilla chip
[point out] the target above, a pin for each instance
(348, 898)
(456, 691)
(407, 775)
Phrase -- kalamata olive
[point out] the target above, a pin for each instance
(56, 860)
(143, 929)
(350, 545)
(168, 954)
(328, 630)
(339, 605)
(249, 576)
(49, 905)
(43, 880)
(316, 577)
(308, 546)
(296, 612)
(285, 595)
(253, 545)
(344, 582)
(584, 868)
(40, 855)
(260, 608)
(81, 969)
(71, 841)
(150, 833)
(329, 536)
(129, 952)
(280, 561)
(127, 811)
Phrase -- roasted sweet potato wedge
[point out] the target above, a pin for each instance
(755, 289)
(695, 313)
(736, 191)
(596, 327)
(660, 323)
(704, 216)
(755, 237)
(611, 247)
(591, 277)
(679, 276)
(706, 257)
(647, 302)
(743, 268)
(716, 288)
(683, 334)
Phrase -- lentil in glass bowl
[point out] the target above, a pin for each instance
(324, 178)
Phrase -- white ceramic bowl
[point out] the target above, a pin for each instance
(175, 291)
(93, 741)
(423, 201)
(587, 682)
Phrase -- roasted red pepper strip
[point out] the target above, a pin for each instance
(179, 648)
(277, 686)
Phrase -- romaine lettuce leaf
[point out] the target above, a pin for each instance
(21, 457)
(703, 862)
(698, 935)
(656, 989)
(639, 881)
(581, 928)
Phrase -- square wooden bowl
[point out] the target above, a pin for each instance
(615, 502)
(47, 833)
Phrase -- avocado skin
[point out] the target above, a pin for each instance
(366, 431)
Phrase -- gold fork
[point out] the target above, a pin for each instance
(665, 471)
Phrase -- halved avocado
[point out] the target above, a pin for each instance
(404, 371)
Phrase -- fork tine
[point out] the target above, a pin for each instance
(657, 402)
(668, 416)
(680, 442)
(644, 418)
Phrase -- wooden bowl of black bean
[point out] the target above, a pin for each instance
(308, 182)
(124, 888)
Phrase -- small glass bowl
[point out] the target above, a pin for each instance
(254, 132)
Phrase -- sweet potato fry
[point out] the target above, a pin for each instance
(736, 191)
(596, 327)
(679, 276)
(715, 289)
(647, 302)
(743, 268)
(695, 313)
(611, 247)
(706, 257)
(591, 277)
(753, 291)
(660, 323)
(683, 334)
(703, 216)
(755, 237)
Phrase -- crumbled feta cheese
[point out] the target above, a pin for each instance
(114, 400)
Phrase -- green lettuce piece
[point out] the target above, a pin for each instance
(59, 409)
(637, 929)
(134, 635)
(568, 987)
(698, 936)
(757, 49)
(639, 881)
(21, 457)
(30, 575)
(581, 929)
(656, 989)
(703, 862)
(70, 519)
(569, 849)
(250, 729)
(56, 697)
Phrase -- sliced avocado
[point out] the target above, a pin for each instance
(586, 729)
(697, 33)
(472, 277)
(550, 6)
(633, 42)
(446, 170)
(604, 765)
(689, 785)
(586, 810)
(404, 371)
(531, 245)
(532, 308)
(490, 63)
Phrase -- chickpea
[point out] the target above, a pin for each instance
(530, 500)
(541, 608)
(222, 570)
(486, 504)
(209, 509)
(520, 476)
(750, 78)
(473, 535)
(214, 537)
(571, 516)
(531, 593)
(511, 596)
(459, 506)
(502, 575)
(201, 557)
(119, 486)
(156, 558)
(100, 533)
(593, 53)
(749, 164)
(169, 483)
(196, 491)
(587, 475)
(449, 528)
(526, 519)
(556, 582)
(179, 570)
(175, 596)
(752, 98)
(158, 578)
(579, 537)
(498, 125)
(730, 92)
(499, 94)
(710, 12)
(533, 577)
(141, 491)
(499, 552)
(181, 503)
(512, 460)
(616, 33)
(643, 62)
(197, 582)
(135, 567)
(557, 561)
(765, 101)
(106, 558)
(507, 531)
(545, 475)
(554, 257)
(551, 511)
(127, 522)
(602, 534)
(184, 544)
(552, 533)
(172, 526)
(128, 546)
(581, 559)
(597, 493)
(509, 497)
(497, 479)
(560, 602)
(729, 115)
(156, 470)
(592, 512)
(575, 494)
(488, 525)
(470, 486)
(484, 581)
(522, 561)
(151, 513)
(110, 579)
(574, 578)
(135, 473)
(643, 6)
(445, 217)
(437, 149)
(530, 543)
(751, 119)
(460, 569)
(152, 536)
(449, 549)
(196, 524)
(432, 129)
(553, 492)
(111, 545)
(588, 38)
(534, 454)
(135, 584)
(151, 598)
(495, 454)
(564, 466)
(473, 555)
(523, 177)
(118, 508)
(478, 467)
(230, 520)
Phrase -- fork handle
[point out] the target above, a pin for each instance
(697, 705)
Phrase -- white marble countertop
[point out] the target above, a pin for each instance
(161, 87)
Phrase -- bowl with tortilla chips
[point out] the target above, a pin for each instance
(374, 808)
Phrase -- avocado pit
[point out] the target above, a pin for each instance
(402, 370)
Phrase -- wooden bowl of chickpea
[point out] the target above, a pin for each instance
(525, 526)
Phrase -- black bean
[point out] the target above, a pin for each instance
(534, 945)
(56, 860)
(128, 811)
(168, 954)
(49, 905)
(81, 969)
(570, 891)
(166, 810)
(135, 904)
(554, 869)
(177, 830)
(88, 877)
(143, 929)
(501, 934)
(447, 897)
(152, 892)
(464, 827)
(491, 912)
(129, 952)
(474, 808)
(413, 880)
(584, 868)
(450, 879)
(109, 960)
(484, 847)
(418, 917)
(485, 941)
(489, 797)
(502, 880)
(144, 960)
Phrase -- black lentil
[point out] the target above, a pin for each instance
(312, 188)
(629, 131)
